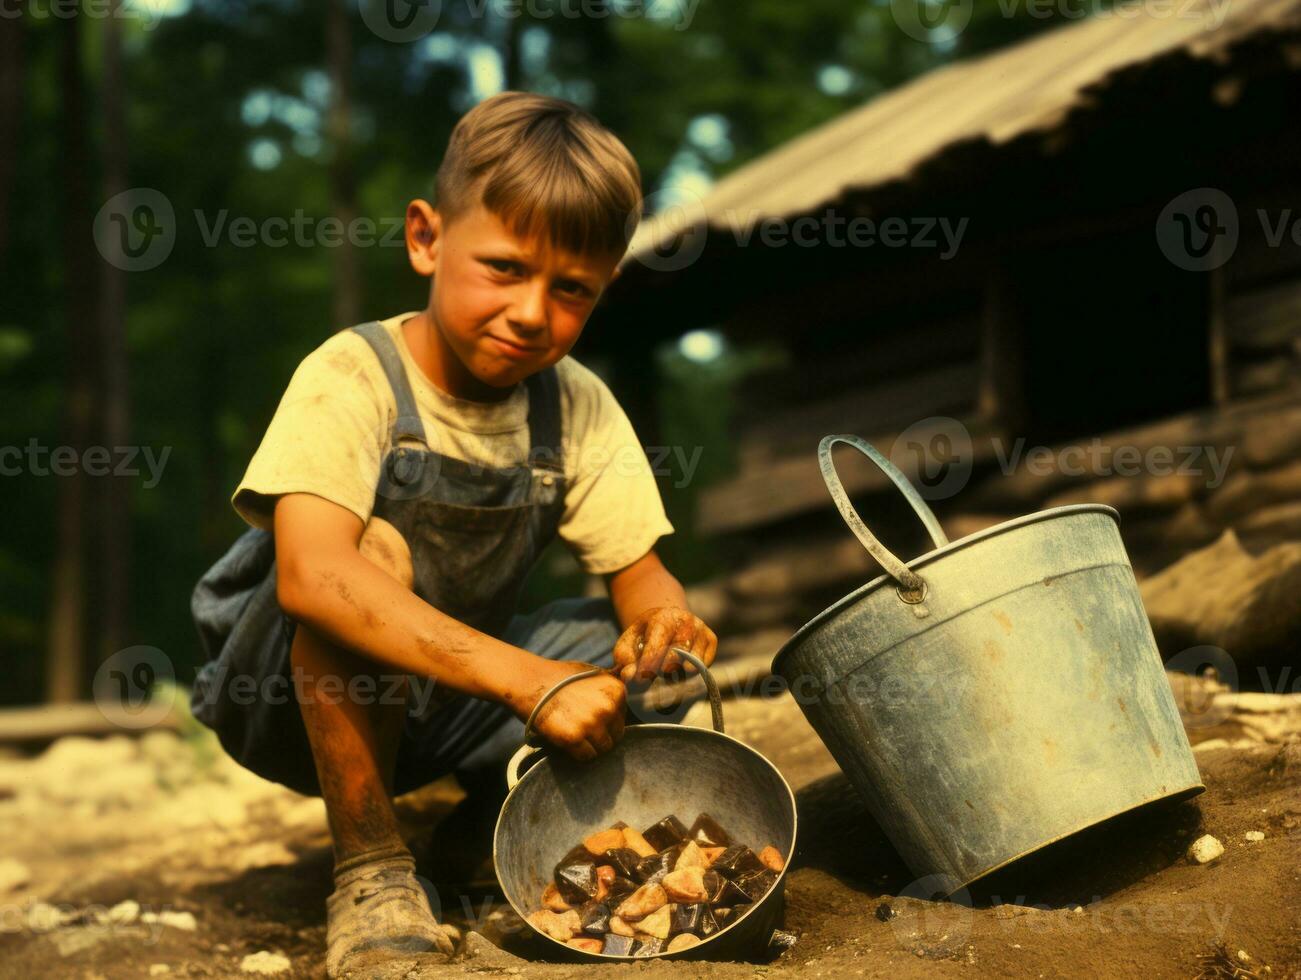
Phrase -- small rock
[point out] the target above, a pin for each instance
(561, 926)
(124, 913)
(712, 854)
(686, 885)
(1262, 702)
(683, 940)
(1205, 849)
(691, 857)
(484, 955)
(772, 858)
(13, 875)
(1010, 910)
(553, 901)
(602, 841)
(633, 839)
(782, 940)
(264, 962)
(158, 969)
(658, 923)
(43, 917)
(642, 902)
(1255, 835)
(177, 920)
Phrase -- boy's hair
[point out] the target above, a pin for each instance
(545, 167)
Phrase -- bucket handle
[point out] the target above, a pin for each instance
(910, 586)
(531, 745)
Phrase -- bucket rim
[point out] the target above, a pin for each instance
(691, 952)
(934, 555)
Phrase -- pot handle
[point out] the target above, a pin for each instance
(911, 586)
(531, 746)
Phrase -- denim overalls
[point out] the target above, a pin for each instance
(474, 534)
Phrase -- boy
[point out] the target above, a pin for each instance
(412, 473)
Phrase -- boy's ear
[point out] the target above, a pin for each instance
(424, 229)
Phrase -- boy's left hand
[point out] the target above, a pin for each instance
(643, 651)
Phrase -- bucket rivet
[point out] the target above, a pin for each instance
(911, 596)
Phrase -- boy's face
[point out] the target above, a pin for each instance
(507, 307)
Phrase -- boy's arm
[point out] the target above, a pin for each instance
(324, 582)
(652, 608)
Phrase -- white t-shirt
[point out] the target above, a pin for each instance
(333, 427)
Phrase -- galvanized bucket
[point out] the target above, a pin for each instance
(653, 771)
(995, 694)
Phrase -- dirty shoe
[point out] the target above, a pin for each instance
(379, 907)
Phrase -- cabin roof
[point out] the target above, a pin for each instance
(1030, 86)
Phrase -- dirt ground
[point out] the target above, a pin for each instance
(159, 857)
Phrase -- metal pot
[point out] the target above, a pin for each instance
(995, 694)
(653, 771)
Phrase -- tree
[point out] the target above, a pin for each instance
(114, 538)
(65, 660)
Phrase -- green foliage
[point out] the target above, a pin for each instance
(225, 112)
(697, 402)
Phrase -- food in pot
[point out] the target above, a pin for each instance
(666, 833)
(683, 940)
(685, 885)
(771, 858)
(707, 833)
(641, 903)
(560, 926)
(624, 892)
(618, 945)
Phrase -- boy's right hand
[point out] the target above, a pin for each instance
(584, 718)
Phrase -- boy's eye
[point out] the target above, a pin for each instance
(504, 266)
(572, 287)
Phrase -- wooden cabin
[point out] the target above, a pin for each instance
(1070, 307)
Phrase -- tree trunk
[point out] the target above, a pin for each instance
(343, 183)
(65, 656)
(115, 499)
(11, 80)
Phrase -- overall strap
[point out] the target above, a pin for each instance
(407, 424)
(544, 420)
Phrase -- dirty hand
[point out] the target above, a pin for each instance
(644, 649)
(584, 718)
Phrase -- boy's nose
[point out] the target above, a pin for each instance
(528, 315)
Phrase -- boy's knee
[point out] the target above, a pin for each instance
(384, 545)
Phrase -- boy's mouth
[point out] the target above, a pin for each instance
(512, 349)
